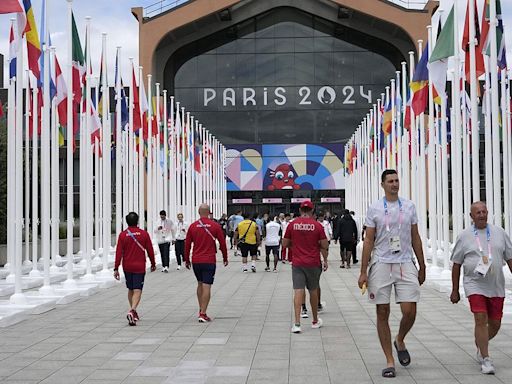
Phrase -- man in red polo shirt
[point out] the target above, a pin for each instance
(203, 233)
(131, 248)
(306, 237)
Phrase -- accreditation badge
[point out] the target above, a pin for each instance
(483, 266)
(394, 244)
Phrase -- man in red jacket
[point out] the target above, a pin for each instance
(203, 233)
(131, 248)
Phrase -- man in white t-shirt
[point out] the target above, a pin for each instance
(272, 242)
(164, 232)
(327, 226)
(179, 241)
(285, 252)
(392, 235)
(482, 250)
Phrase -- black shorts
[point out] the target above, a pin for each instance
(248, 249)
(346, 246)
(205, 273)
(272, 249)
(134, 280)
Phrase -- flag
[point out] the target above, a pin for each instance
(407, 117)
(14, 6)
(33, 45)
(61, 98)
(78, 62)
(144, 108)
(124, 106)
(197, 152)
(480, 67)
(12, 54)
(438, 62)
(500, 36)
(1, 109)
(419, 84)
(137, 122)
(388, 117)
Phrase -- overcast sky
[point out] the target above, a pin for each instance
(114, 18)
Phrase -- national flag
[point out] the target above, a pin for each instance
(500, 37)
(480, 67)
(78, 62)
(124, 106)
(33, 45)
(137, 122)
(62, 95)
(388, 117)
(144, 108)
(407, 117)
(444, 49)
(419, 84)
(14, 6)
(1, 109)
(96, 124)
(197, 152)
(12, 54)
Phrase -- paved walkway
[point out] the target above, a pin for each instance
(249, 340)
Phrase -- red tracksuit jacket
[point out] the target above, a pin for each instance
(205, 248)
(130, 253)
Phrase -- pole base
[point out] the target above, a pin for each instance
(46, 290)
(69, 284)
(35, 273)
(18, 299)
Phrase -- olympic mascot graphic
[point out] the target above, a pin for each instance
(283, 177)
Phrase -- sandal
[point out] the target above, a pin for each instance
(403, 356)
(389, 372)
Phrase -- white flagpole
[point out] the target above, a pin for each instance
(173, 182)
(149, 178)
(444, 171)
(188, 175)
(486, 110)
(107, 192)
(131, 150)
(508, 160)
(475, 123)
(97, 189)
(506, 148)
(119, 141)
(165, 198)
(495, 116)
(179, 160)
(412, 137)
(466, 165)
(432, 210)
(142, 171)
(45, 167)
(26, 220)
(55, 198)
(158, 166)
(35, 183)
(182, 164)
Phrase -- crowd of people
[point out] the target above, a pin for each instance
(392, 259)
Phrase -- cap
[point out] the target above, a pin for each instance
(307, 204)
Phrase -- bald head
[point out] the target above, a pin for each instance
(479, 214)
(204, 210)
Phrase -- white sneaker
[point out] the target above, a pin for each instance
(178, 267)
(244, 269)
(296, 328)
(488, 367)
(304, 313)
(319, 324)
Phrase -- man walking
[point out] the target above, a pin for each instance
(179, 242)
(247, 238)
(482, 250)
(272, 242)
(164, 232)
(306, 237)
(285, 252)
(131, 248)
(203, 234)
(346, 233)
(392, 235)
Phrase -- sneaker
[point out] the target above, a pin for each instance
(304, 313)
(253, 268)
(348, 266)
(244, 269)
(321, 306)
(355, 261)
(178, 267)
(166, 269)
(284, 261)
(275, 270)
(479, 357)
(318, 324)
(135, 315)
(130, 318)
(203, 318)
(342, 266)
(267, 269)
(296, 328)
(488, 367)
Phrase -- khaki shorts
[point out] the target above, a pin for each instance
(402, 276)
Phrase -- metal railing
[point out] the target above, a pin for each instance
(162, 6)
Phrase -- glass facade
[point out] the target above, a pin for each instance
(283, 77)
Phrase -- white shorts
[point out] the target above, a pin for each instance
(403, 276)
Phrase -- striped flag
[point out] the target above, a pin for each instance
(33, 45)
(12, 54)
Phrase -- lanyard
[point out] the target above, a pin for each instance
(477, 238)
(386, 214)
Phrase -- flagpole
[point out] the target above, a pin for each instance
(475, 123)
(506, 148)
(172, 161)
(486, 111)
(421, 183)
(55, 198)
(165, 158)
(158, 165)
(26, 220)
(432, 211)
(11, 144)
(107, 192)
(508, 160)
(404, 138)
(142, 171)
(149, 178)
(131, 149)
(179, 151)
(88, 153)
(495, 116)
(118, 141)
(35, 183)
(466, 165)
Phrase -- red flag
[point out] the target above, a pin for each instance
(480, 67)
(1, 109)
